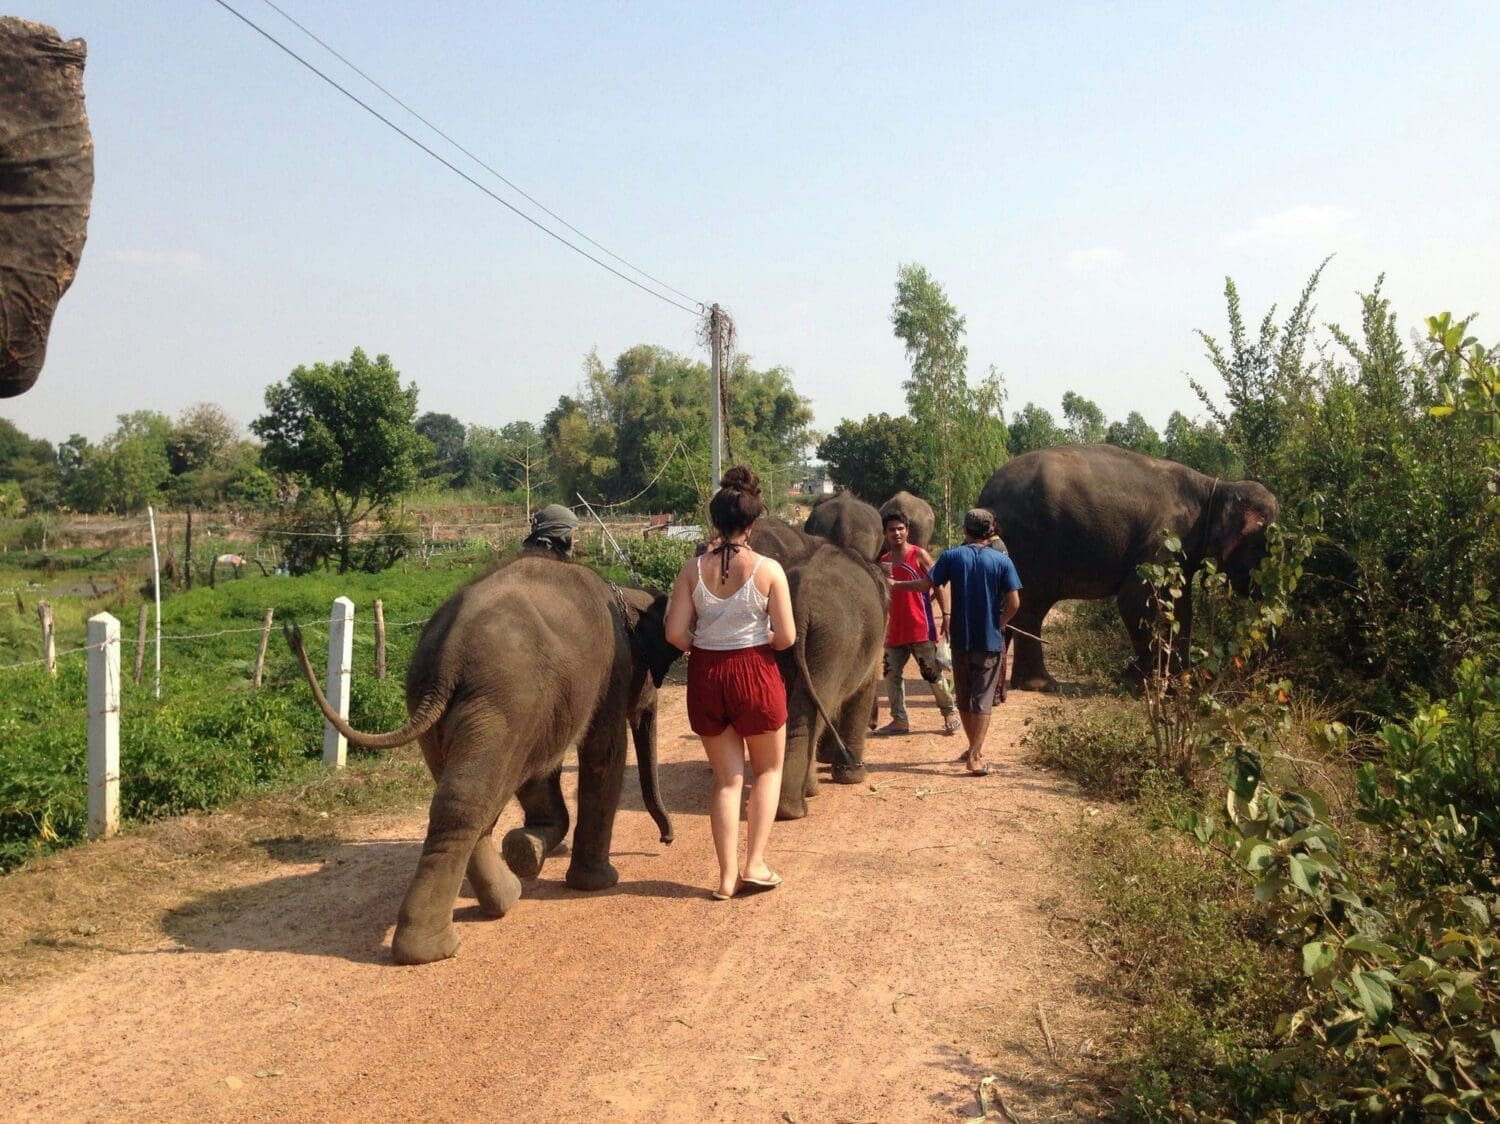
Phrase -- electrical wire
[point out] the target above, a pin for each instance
(454, 168)
(474, 157)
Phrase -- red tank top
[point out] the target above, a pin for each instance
(911, 612)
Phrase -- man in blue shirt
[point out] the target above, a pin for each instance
(985, 593)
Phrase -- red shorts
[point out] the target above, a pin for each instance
(742, 688)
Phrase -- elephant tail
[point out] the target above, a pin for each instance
(845, 760)
(644, 735)
(422, 720)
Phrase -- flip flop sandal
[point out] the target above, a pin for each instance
(758, 884)
(982, 771)
(720, 896)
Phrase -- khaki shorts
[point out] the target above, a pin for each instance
(975, 674)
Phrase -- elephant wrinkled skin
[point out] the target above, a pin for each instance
(839, 602)
(846, 520)
(1079, 519)
(535, 656)
(46, 185)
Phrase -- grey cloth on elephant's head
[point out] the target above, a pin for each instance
(979, 522)
(553, 527)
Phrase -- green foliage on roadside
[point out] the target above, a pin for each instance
(657, 558)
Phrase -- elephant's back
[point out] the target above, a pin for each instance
(518, 632)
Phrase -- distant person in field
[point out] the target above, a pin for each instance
(552, 530)
(911, 631)
(985, 592)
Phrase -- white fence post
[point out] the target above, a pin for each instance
(340, 661)
(104, 726)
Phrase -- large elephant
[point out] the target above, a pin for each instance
(536, 656)
(46, 184)
(918, 513)
(846, 520)
(1080, 519)
(839, 602)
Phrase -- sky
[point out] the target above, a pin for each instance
(1081, 178)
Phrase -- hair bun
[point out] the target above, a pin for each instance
(742, 479)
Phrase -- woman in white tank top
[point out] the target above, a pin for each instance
(729, 610)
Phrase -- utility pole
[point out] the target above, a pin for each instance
(716, 343)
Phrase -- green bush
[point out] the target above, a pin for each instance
(1104, 746)
(657, 558)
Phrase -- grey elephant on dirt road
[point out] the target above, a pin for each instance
(1079, 519)
(510, 671)
(846, 520)
(46, 187)
(839, 602)
(919, 516)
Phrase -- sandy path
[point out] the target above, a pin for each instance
(903, 960)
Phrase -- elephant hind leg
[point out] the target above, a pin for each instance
(1029, 671)
(494, 883)
(526, 848)
(852, 727)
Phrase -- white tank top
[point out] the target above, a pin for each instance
(727, 623)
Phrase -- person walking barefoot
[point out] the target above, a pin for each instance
(731, 610)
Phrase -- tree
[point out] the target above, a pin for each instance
(204, 435)
(1134, 433)
(348, 429)
(1199, 445)
(877, 457)
(447, 462)
(1084, 418)
(1266, 382)
(31, 464)
(127, 472)
(1034, 428)
(932, 330)
(637, 431)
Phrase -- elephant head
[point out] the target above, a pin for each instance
(1239, 515)
(46, 183)
(648, 634)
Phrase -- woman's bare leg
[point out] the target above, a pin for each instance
(726, 754)
(767, 754)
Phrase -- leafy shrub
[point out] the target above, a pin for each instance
(657, 558)
(1104, 746)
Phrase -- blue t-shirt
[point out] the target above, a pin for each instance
(979, 578)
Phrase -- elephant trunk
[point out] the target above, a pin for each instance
(644, 735)
(421, 721)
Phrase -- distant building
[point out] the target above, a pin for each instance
(821, 485)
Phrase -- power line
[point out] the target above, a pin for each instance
(372, 111)
(474, 157)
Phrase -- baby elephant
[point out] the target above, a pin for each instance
(511, 670)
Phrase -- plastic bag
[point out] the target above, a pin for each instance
(945, 654)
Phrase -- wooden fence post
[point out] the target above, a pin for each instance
(140, 641)
(379, 638)
(265, 638)
(49, 638)
(104, 726)
(340, 659)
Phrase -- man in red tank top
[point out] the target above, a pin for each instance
(911, 631)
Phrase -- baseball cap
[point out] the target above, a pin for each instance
(978, 521)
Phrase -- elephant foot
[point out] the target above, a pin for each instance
(1036, 683)
(787, 810)
(855, 775)
(493, 882)
(419, 946)
(524, 851)
(600, 877)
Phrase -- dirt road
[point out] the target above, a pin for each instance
(913, 949)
